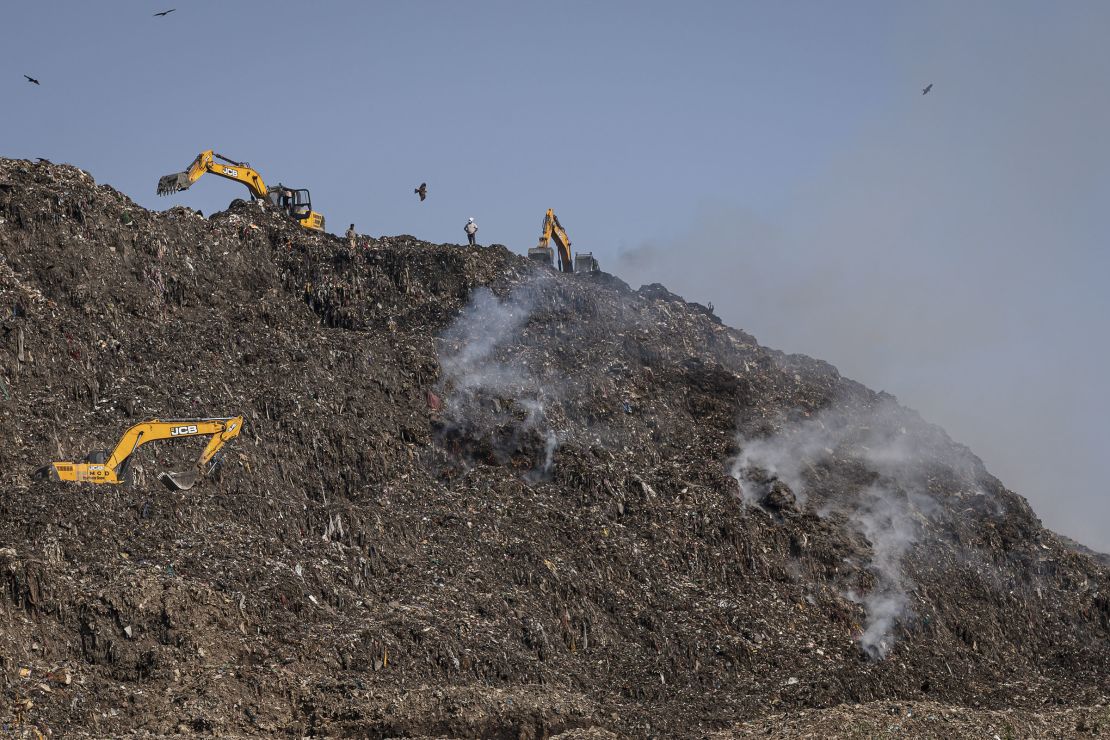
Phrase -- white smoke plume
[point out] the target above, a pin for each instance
(782, 457)
(482, 355)
(469, 356)
(889, 512)
(887, 524)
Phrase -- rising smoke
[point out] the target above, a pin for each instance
(469, 357)
(890, 508)
(482, 358)
(887, 524)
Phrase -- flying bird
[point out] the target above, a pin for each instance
(165, 12)
(422, 191)
(927, 89)
(32, 80)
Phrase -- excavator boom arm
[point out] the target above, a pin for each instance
(295, 203)
(206, 162)
(553, 230)
(545, 232)
(220, 430)
(563, 243)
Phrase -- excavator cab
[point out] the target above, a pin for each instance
(297, 204)
(585, 262)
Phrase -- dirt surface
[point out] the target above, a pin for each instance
(475, 498)
(926, 721)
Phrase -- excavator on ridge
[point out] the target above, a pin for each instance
(112, 466)
(296, 203)
(552, 230)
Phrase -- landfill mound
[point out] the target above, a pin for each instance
(474, 497)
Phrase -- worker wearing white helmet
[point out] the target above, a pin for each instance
(471, 229)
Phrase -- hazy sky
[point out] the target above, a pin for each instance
(777, 159)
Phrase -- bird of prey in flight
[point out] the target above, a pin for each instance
(165, 12)
(422, 191)
(927, 89)
(32, 80)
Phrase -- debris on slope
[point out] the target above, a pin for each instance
(474, 498)
(925, 721)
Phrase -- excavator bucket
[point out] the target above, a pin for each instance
(173, 183)
(179, 481)
(46, 472)
(543, 255)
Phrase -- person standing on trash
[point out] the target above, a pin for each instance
(351, 235)
(471, 229)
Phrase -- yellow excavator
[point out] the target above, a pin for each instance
(297, 204)
(104, 466)
(551, 231)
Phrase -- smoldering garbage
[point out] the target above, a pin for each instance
(474, 498)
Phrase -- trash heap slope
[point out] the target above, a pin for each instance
(474, 498)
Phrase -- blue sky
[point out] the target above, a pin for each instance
(624, 117)
(777, 159)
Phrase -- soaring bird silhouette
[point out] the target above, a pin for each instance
(32, 80)
(165, 12)
(927, 89)
(422, 191)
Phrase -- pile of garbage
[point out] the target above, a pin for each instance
(474, 497)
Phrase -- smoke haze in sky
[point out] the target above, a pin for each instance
(954, 255)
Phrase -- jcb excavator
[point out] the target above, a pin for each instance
(297, 204)
(105, 466)
(553, 231)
